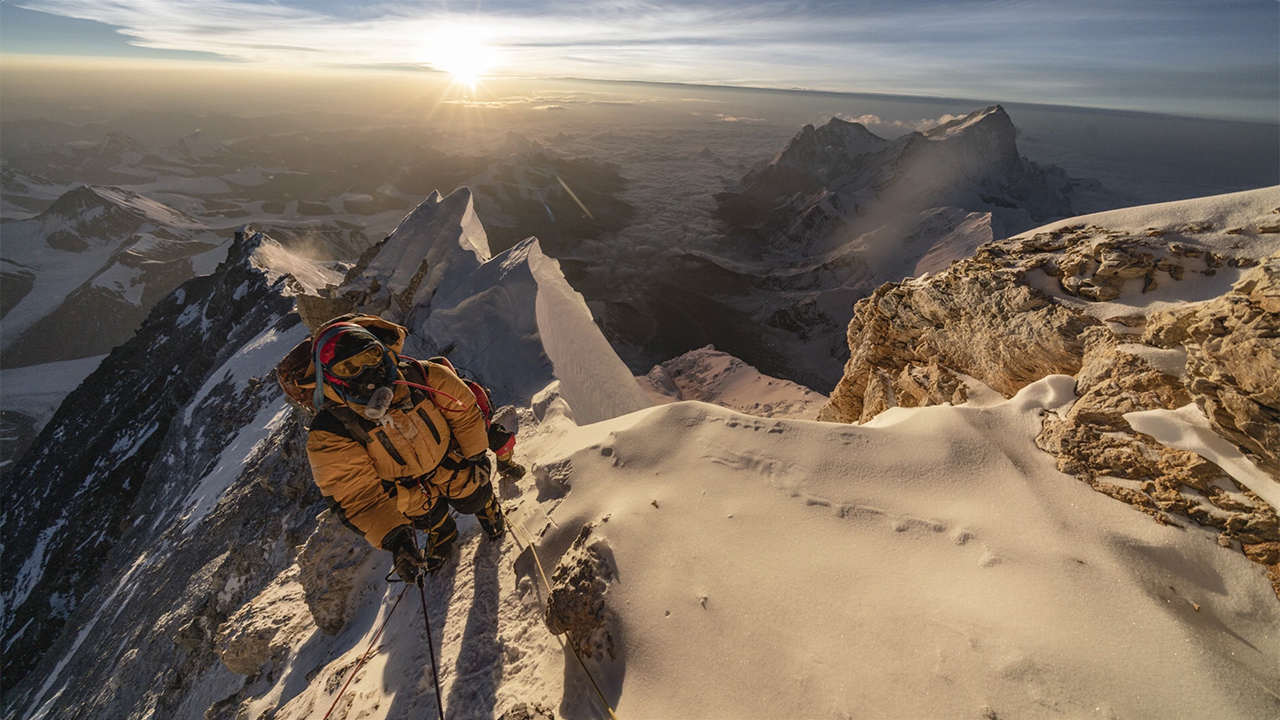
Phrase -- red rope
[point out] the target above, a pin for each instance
(432, 390)
(368, 653)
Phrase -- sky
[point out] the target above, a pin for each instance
(1207, 58)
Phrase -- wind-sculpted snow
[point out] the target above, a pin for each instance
(433, 247)
(516, 323)
(594, 381)
(937, 555)
(513, 321)
(198, 482)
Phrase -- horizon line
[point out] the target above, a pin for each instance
(232, 64)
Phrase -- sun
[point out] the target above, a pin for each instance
(462, 52)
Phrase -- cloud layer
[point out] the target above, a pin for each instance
(1175, 56)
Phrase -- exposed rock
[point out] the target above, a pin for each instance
(111, 433)
(264, 628)
(316, 310)
(1234, 364)
(576, 606)
(1020, 309)
(524, 711)
(981, 318)
(1094, 442)
(331, 572)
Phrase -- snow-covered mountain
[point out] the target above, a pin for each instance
(933, 562)
(840, 181)
(96, 472)
(79, 277)
(839, 211)
(184, 427)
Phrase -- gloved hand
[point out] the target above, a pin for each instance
(481, 467)
(402, 543)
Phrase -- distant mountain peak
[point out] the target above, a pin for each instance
(432, 244)
(517, 144)
(992, 116)
(90, 201)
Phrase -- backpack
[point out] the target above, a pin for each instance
(501, 440)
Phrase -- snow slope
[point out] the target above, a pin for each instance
(710, 376)
(38, 390)
(933, 564)
(930, 564)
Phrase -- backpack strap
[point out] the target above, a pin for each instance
(358, 432)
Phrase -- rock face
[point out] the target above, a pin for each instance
(107, 436)
(177, 573)
(1079, 300)
(264, 629)
(332, 567)
(1233, 360)
(176, 430)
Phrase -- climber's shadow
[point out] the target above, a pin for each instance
(478, 671)
(407, 673)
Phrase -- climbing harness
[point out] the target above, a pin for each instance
(368, 653)
(521, 536)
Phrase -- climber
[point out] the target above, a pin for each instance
(396, 441)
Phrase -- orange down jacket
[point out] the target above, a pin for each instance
(414, 455)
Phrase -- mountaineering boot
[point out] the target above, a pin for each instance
(491, 519)
(441, 531)
(509, 468)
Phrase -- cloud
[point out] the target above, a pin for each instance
(722, 117)
(1084, 52)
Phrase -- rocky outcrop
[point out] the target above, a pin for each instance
(331, 572)
(576, 606)
(265, 628)
(1233, 360)
(981, 318)
(1038, 304)
(108, 434)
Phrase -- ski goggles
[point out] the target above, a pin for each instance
(351, 367)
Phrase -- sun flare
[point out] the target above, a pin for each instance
(461, 52)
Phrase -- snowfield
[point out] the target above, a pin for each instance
(931, 564)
